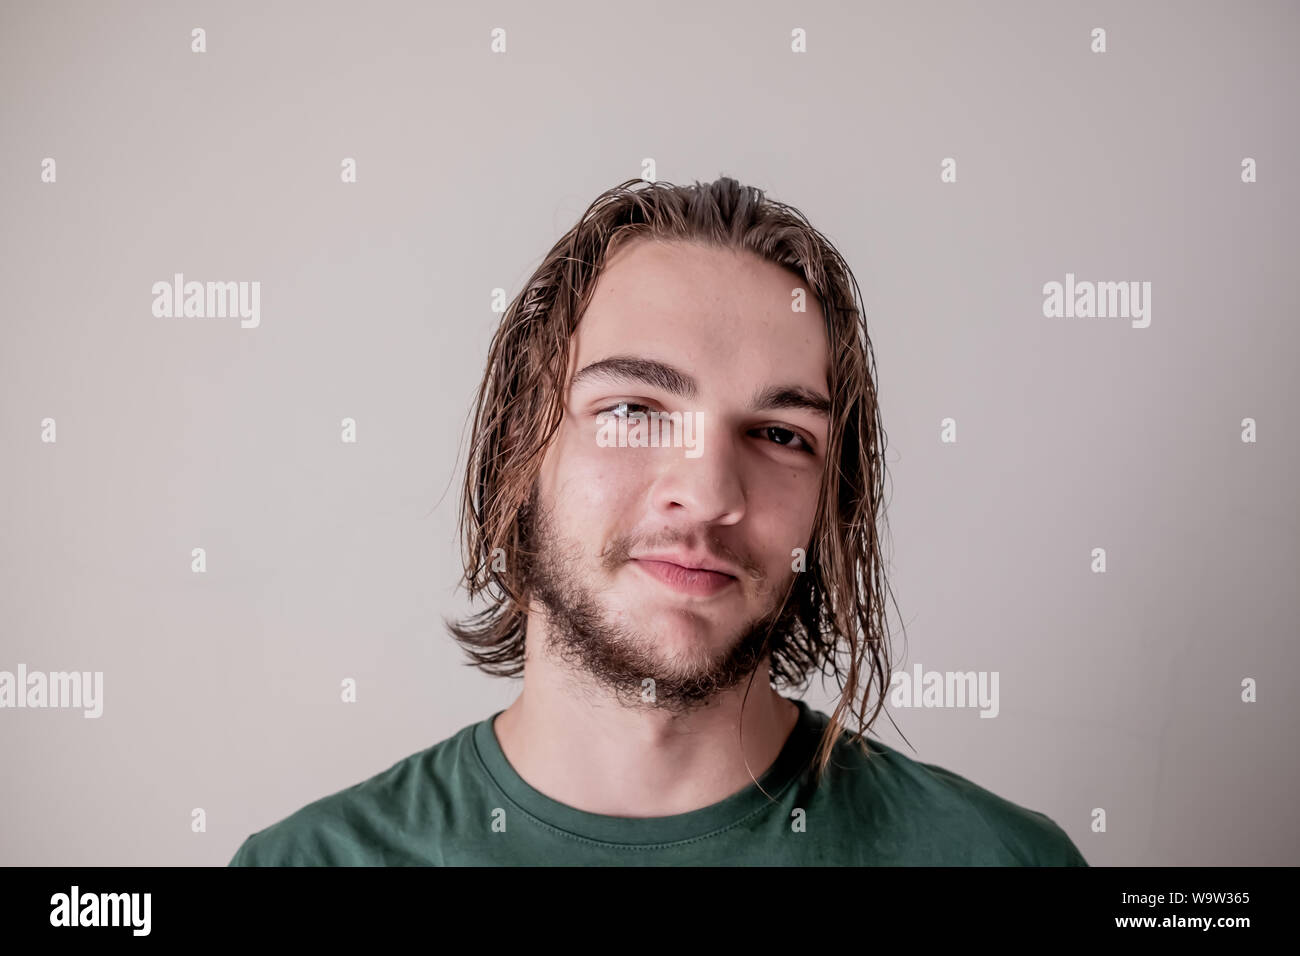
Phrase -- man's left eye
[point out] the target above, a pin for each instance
(785, 443)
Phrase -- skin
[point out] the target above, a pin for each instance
(581, 732)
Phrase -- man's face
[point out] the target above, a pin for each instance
(745, 500)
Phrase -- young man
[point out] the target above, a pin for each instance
(672, 498)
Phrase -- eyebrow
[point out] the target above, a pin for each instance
(630, 368)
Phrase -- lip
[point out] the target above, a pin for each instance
(691, 562)
(697, 582)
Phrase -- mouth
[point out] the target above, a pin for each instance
(692, 581)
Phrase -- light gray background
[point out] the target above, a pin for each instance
(327, 560)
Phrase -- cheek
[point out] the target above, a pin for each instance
(594, 483)
(782, 517)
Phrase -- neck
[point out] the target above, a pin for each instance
(597, 755)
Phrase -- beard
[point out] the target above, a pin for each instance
(616, 658)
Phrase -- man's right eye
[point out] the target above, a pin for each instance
(628, 405)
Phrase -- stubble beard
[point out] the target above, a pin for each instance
(614, 659)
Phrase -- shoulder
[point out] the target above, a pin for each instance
(368, 823)
(962, 822)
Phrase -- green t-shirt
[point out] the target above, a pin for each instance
(459, 803)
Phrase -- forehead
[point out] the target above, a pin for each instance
(724, 315)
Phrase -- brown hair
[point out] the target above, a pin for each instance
(839, 598)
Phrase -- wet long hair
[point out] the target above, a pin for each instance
(838, 625)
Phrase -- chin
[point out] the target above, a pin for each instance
(696, 645)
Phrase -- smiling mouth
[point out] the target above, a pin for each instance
(692, 581)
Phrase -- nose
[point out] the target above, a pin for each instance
(708, 489)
